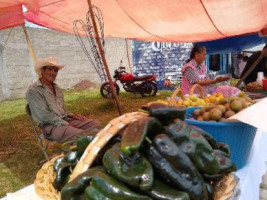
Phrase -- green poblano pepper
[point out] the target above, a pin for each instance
(206, 135)
(57, 163)
(210, 190)
(63, 168)
(91, 193)
(72, 157)
(135, 170)
(135, 133)
(62, 175)
(74, 190)
(175, 167)
(195, 146)
(100, 154)
(215, 177)
(163, 191)
(82, 142)
(166, 114)
(224, 148)
(105, 187)
(226, 164)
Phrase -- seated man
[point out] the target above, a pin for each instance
(46, 102)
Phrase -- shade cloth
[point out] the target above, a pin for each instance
(11, 12)
(149, 20)
(156, 20)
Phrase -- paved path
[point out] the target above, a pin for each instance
(263, 188)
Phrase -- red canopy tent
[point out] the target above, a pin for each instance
(157, 20)
(148, 20)
(11, 12)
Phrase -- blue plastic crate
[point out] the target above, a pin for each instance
(238, 135)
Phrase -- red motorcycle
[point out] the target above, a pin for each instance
(143, 85)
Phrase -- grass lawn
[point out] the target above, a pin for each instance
(19, 148)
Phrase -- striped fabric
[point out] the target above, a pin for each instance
(192, 73)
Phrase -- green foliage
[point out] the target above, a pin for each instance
(12, 109)
(13, 184)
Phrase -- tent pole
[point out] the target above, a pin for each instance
(103, 56)
(249, 70)
(129, 64)
(29, 43)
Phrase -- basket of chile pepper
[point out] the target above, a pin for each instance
(152, 155)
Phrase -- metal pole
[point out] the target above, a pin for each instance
(129, 63)
(100, 48)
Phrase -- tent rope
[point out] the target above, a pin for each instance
(1, 50)
(211, 19)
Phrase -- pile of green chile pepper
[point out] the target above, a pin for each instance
(157, 157)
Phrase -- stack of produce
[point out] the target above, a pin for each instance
(227, 90)
(190, 101)
(195, 98)
(253, 87)
(223, 109)
(158, 156)
(193, 101)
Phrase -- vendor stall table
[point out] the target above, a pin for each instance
(250, 176)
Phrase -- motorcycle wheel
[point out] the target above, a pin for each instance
(106, 91)
(148, 89)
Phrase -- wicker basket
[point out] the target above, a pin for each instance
(200, 89)
(44, 179)
(45, 176)
(176, 92)
(225, 187)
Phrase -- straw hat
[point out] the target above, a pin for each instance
(50, 61)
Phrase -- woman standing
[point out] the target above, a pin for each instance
(195, 71)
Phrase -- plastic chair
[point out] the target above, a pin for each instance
(38, 133)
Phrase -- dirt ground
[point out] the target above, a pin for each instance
(86, 84)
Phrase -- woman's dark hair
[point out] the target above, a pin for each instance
(196, 49)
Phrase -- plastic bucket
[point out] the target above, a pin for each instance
(189, 110)
(238, 135)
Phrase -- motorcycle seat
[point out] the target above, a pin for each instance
(141, 78)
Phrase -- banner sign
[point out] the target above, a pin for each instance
(160, 58)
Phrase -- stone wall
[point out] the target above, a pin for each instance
(16, 65)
